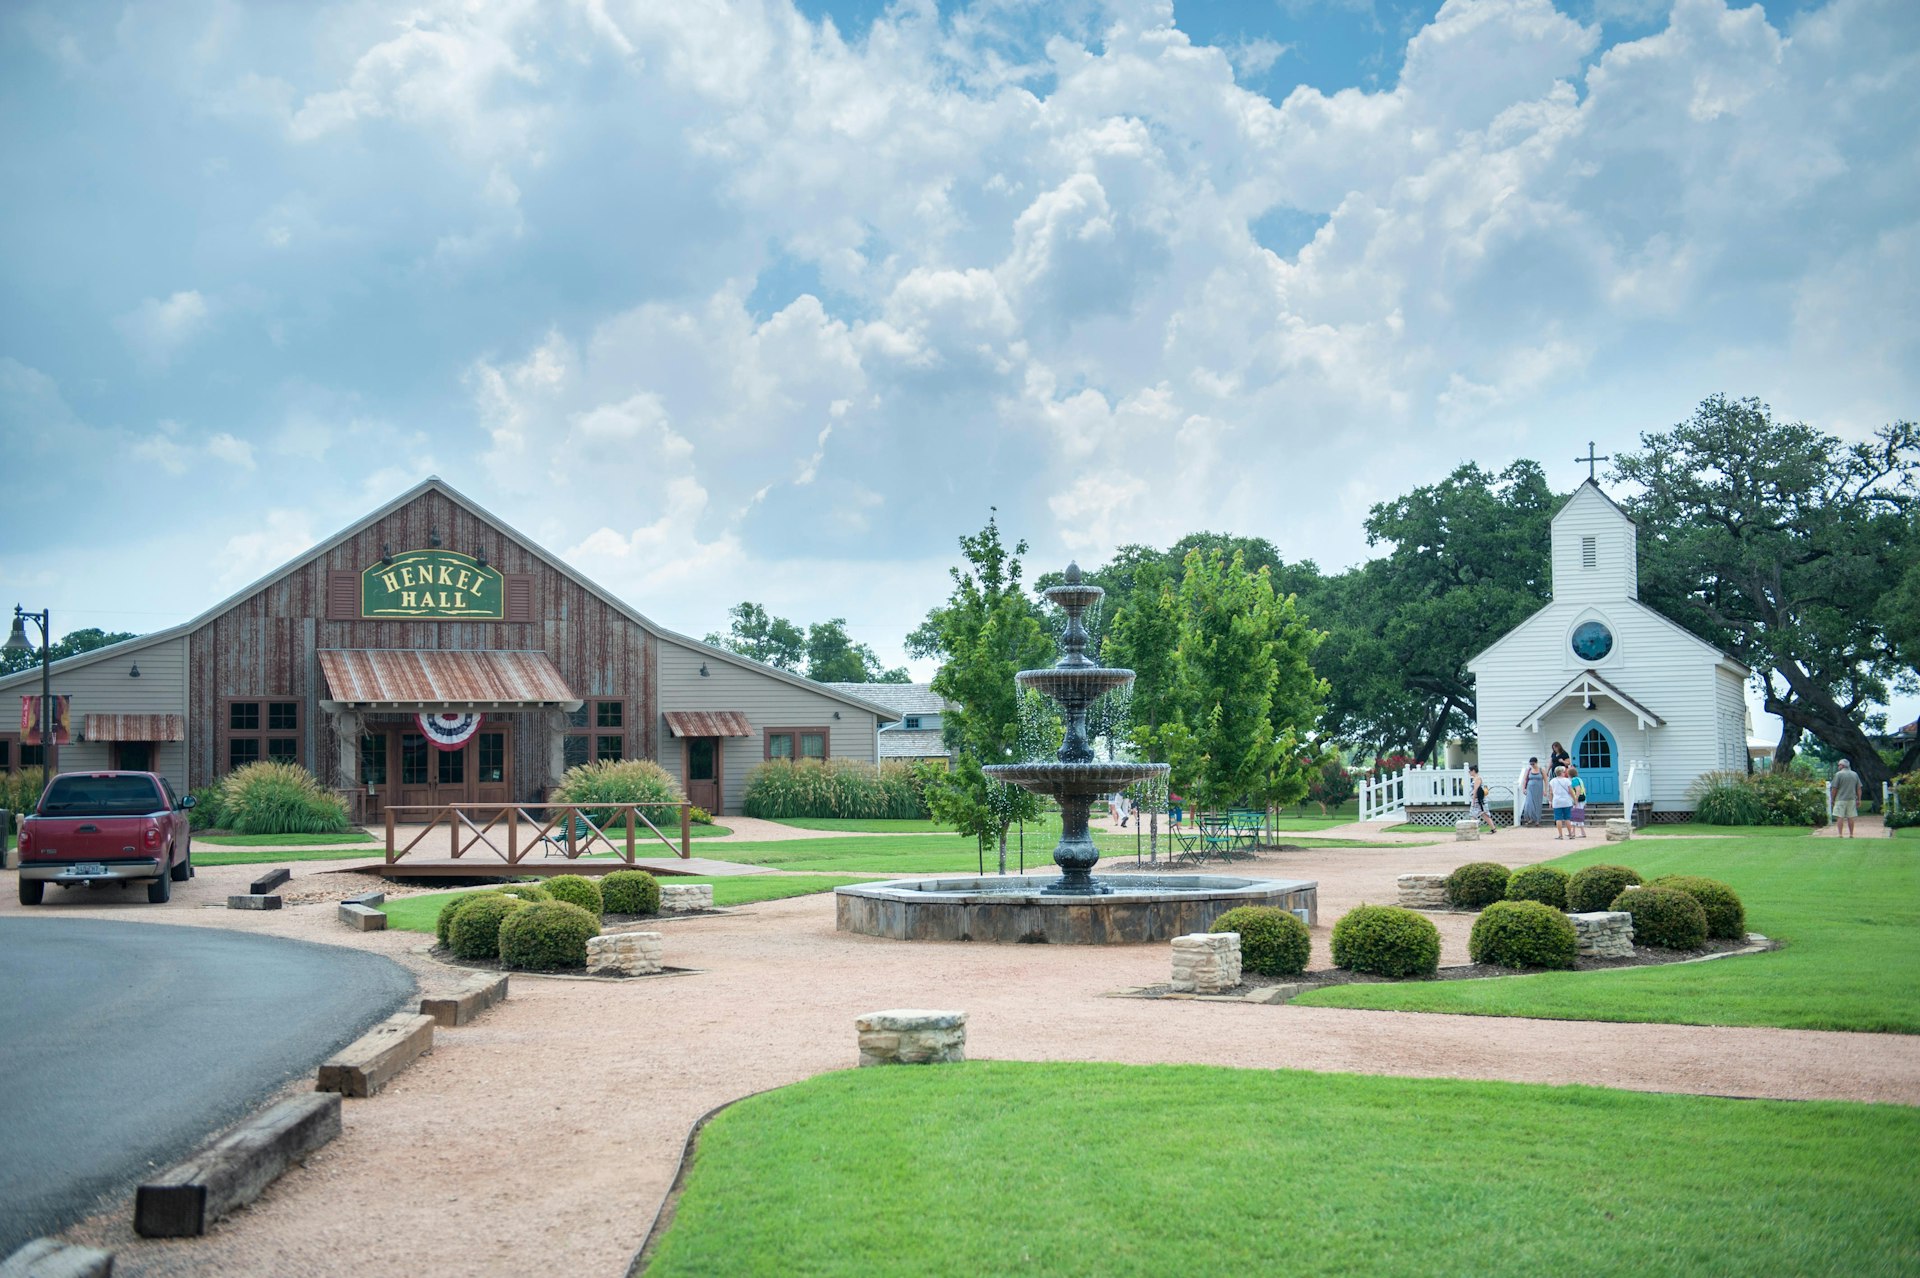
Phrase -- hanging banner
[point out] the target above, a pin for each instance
(448, 730)
(30, 719)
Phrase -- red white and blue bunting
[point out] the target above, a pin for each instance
(448, 730)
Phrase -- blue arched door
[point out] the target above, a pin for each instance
(1598, 759)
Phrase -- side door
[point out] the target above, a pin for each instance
(703, 772)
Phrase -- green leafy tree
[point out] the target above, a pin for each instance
(1248, 693)
(1791, 549)
(772, 641)
(833, 657)
(984, 634)
(71, 644)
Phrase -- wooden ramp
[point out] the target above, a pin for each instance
(474, 867)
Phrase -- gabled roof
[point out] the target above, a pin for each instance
(903, 698)
(433, 483)
(1587, 685)
(1589, 483)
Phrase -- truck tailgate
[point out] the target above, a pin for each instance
(104, 838)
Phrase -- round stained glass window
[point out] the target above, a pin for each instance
(1592, 640)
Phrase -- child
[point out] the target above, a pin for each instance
(1477, 798)
(1579, 802)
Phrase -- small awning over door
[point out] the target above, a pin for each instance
(708, 723)
(1584, 687)
(442, 679)
(134, 727)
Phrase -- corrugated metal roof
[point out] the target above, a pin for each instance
(709, 723)
(443, 679)
(134, 727)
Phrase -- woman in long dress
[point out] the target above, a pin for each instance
(1536, 792)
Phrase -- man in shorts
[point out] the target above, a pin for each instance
(1843, 797)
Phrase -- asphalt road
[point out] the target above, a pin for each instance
(124, 1046)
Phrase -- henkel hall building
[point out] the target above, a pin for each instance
(430, 607)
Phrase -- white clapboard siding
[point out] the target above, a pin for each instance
(1682, 679)
(768, 702)
(103, 683)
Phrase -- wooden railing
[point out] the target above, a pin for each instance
(574, 829)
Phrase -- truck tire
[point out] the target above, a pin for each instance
(160, 891)
(31, 890)
(184, 871)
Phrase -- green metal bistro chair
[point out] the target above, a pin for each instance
(1183, 848)
(554, 841)
(1216, 835)
(1247, 826)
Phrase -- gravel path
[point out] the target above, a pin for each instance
(550, 1127)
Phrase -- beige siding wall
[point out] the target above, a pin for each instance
(104, 686)
(766, 700)
(1615, 574)
(1655, 663)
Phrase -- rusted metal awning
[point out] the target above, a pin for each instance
(134, 727)
(437, 679)
(708, 723)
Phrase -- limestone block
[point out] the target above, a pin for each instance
(1619, 829)
(911, 1036)
(624, 953)
(1466, 830)
(685, 898)
(1604, 933)
(1423, 891)
(1206, 962)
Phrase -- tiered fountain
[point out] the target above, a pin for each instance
(1075, 908)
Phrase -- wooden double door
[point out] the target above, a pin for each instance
(399, 765)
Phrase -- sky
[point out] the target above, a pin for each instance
(773, 301)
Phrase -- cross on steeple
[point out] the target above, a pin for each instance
(1593, 462)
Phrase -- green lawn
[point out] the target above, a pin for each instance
(417, 913)
(1847, 909)
(855, 825)
(273, 856)
(287, 840)
(1156, 1170)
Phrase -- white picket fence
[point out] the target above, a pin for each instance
(1386, 796)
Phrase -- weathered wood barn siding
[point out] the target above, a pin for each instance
(265, 644)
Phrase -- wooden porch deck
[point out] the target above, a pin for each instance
(473, 867)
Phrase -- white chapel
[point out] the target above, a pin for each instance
(1642, 705)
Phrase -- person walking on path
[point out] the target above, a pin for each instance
(1579, 801)
(1477, 799)
(1843, 799)
(1176, 808)
(1532, 788)
(1562, 791)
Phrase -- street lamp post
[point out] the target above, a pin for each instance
(17, 642)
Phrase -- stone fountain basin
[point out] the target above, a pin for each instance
(1094, 778)
(1013, 910)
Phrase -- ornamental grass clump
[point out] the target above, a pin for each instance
(475, 932)
(209, 810)
(1546, 884)
(1664, 916)
(1726, 916)
(1523, 934)
(1386, 940)
(783, 789)
(548, 936)
(20, 791)
(1273, 942)
(630, 892)
(640, 781)
(275, 797)
(1595, 887)
(575, 890)
(1476, 884)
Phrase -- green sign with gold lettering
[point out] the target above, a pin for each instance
(442, 584)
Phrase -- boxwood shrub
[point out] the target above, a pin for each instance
(1595, 887)
(547, 936)
(576, 890)
(1272, 941)
(1523, 934)
(1664, 916)
(1386, 940)
(475, 932)
(525, 891)
(630, 892)
(1726, 916)
(1476, 884)
(1546, 884)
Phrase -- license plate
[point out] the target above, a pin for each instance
(90, 868)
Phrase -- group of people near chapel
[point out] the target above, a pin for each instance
(1557, 787)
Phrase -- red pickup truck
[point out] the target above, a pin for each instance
(106, 827)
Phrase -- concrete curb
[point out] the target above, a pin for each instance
(233, 1171)
(370, 1062)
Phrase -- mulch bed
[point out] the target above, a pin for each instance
(1643, 956)
(441, 954)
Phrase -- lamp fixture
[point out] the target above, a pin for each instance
(480, 556)
(704, 672)
(433, 536)
(17, 642)
(135, 672)
(836, 714)
(386, 554)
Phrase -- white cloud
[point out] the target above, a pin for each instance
(250, 555)
(158, 329)
(235, 452)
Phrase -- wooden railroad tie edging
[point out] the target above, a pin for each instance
(465, 1001)
(253, 901)
(270, 880)
(370, 1062)
(362, 918)
(372, 900)
(233, 1171)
